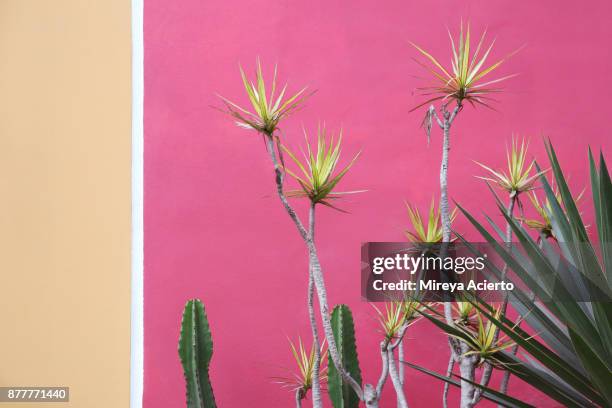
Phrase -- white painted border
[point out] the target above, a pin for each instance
(137, 315)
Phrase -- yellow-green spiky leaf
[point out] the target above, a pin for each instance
(268, 109)
(468, 68)
(317, 174)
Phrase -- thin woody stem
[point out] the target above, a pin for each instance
(510, 213)
(317, 401)
(401, 398)
(385, 368)
(396, 379)
(467, 365)
(325, 318)
(400, 358)
(279, 187)
(503, 385)
(317, 273)
(488, 368)
(467, 368)
(448, 118)
(449, 371)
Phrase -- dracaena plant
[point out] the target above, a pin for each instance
(394, 319)
(269, 105)
(469, 79)
(301, 381)
(519, 177)
(317, 175)
(483, 340)
(464, 81)
(317, 182)
(465, 311)
(426, 230)
(396, 316)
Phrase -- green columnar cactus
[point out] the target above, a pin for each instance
(195, 350)
(340, 393)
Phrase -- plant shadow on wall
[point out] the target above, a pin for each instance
(572, 361)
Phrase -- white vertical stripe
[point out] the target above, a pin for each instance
(137, 316)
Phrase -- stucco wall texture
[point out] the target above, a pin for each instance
(65, 198)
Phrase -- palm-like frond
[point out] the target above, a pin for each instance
(573, 362)
(268, 109)
(427, 231)
(570, 358)
(518, 177)
(316, 174)
(468, 77)
(497, 397)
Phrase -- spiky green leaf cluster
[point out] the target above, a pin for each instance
(483, 342)
(268, 109)
(480, 338)
(465, 311)
(519, 177)
(427, 231)
(543, 209)
(391, 319)
(396, 314)
(304, 360)
(317, 175)
(467, 79)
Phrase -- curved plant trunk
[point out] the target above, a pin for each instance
(298, 398)
(400, 358)
(317, 401)
(488, 368)
(444, 211)
(317, 273)
(467, 368)
(449, 371)
(503, 385)
(466, 365)
(397, 384)
(370, 396)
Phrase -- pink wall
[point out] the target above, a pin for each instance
(213, 226)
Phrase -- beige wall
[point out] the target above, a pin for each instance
(65, 197)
